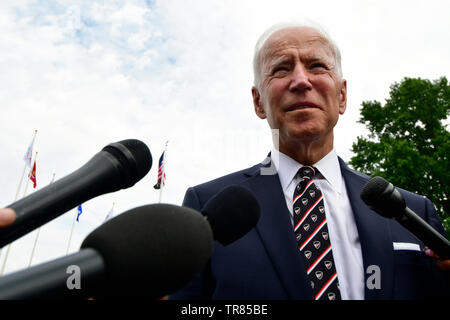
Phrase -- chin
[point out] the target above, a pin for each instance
(305, 130)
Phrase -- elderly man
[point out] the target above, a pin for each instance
(315, 239)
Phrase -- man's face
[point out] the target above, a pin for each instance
(299, 91)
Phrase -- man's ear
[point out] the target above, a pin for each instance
(343, 97)
(259, 110)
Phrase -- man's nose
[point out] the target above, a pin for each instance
(300, 79)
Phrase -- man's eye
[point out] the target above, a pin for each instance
(280, 69)
(318, 65)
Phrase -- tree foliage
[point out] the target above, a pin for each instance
(409, 142)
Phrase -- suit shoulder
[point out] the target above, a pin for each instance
(204, 191)
(227, 180)
(358, 174)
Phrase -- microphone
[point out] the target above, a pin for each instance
(117, 166)
(232, 213)
(149, 251)
(382, 197)
(146, 252)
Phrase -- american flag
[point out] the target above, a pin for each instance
(160, 172)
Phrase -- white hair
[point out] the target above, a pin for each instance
(287, 25)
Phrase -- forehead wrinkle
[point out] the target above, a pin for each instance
(270, 61)
(279, 60)
(278, 47)
(285, 41)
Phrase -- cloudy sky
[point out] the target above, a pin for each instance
(88, 73)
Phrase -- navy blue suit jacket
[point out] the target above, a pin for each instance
(266, 264)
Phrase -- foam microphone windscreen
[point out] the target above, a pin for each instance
(151, 251)
(232, 213)
(381, 196)
(373, 189)
(135, 158)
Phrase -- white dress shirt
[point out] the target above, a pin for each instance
(340, 220)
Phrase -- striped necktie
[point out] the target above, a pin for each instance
(311, 232)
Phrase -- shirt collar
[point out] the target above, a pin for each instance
(328, 166)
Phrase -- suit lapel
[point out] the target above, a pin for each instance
(374, 234)
(276, 233)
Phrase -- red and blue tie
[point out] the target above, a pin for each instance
(311, 232)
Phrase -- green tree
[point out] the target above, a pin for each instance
(408, 142)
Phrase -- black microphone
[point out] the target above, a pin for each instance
(382, 197)
(232, 213)
(117, 166)
(146, 252)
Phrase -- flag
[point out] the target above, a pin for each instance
(29, 154)
(160, 173)
(32, 175)
(109, 215)
(80, 211)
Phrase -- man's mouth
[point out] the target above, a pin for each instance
(302, 105)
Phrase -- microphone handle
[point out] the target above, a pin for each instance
(92, 179)
(427, 234)
(52, 280)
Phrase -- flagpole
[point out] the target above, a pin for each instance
(20, 183)
(9, 245)
(71, 232)
(110, 214)
(112, 210)
(163, 172)
(37, 234)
